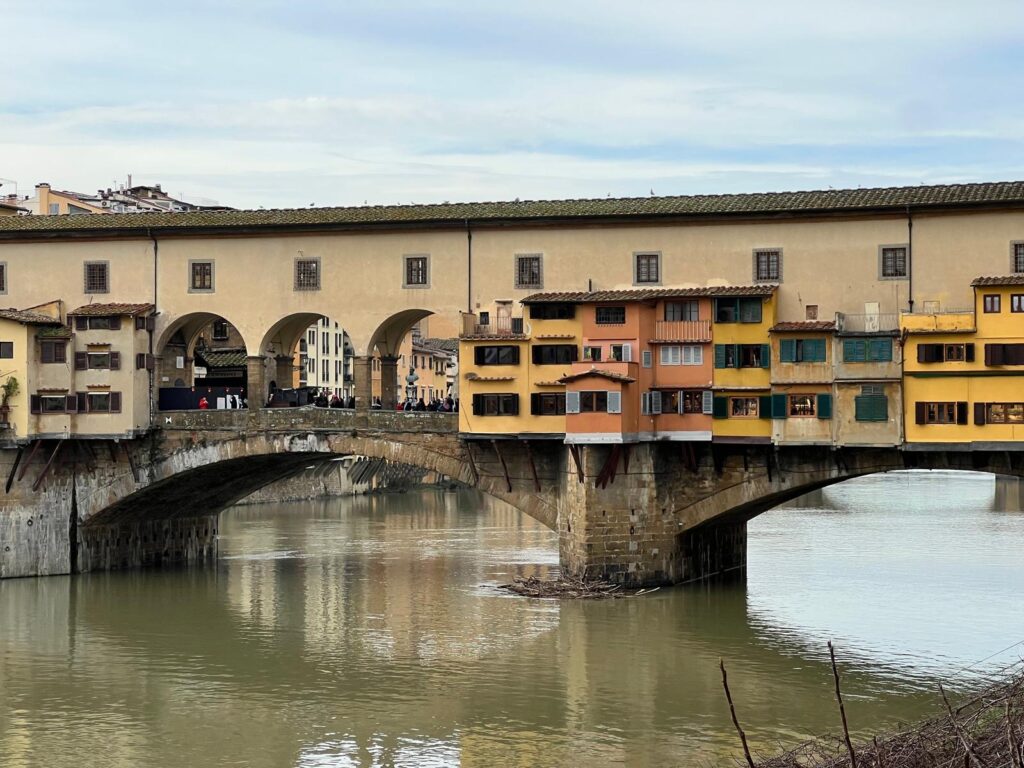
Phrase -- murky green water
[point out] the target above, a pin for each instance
(367, 632)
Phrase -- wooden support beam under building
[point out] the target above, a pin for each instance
(131, 462)
(574, 451)
(28, 461)
(46, 469)
(14, 468)
(504, 466)
(533, 466)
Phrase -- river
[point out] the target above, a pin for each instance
(369, 632)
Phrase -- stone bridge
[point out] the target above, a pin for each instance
(653, 513)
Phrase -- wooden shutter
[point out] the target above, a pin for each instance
(961, 412)
(71, 403)
(766, 356)
(46, 352)
(787, 351)
(779, 406)
(707, 401)
(140, 361)
(655, 402)
(478, 402)
(140, 323)
(680, 402)
(151, 323)
(627, 353)
(81, 361)
(645, 403)
(854, 351)
(535, 403)
(60, 352)
(979, 414)
(920, 413)
(83, 402)
(871, 408)
(115, 402)
(719, 407)
(969, 352)
(81, 323)
(572, 402)
(824, 406)
(150, 362)
(764, 406)
(35, 404)
(720, 358)
(879, 350)
(514, 410)
(614, 401)
(817, 351)
(994, 354)
(115, 323)
(115, 361)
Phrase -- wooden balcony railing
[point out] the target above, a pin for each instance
(682, 330)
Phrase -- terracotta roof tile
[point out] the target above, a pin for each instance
(649, 294)
(494, 337)
(1003, 280)
(604, 374)
(223, 358)
(28, 317)
(106, 310)
(457, 214)
(804, 325)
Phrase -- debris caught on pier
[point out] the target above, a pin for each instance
(568, 588)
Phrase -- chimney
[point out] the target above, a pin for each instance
(42, 184)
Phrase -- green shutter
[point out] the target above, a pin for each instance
(855, 351)
(787, 350)
(719, 355)
(720, 408)
(766, 356)
(750, 310)
(764, 406)
(871, 408)
(824, 406)
(779, 407)
(817, 351)
(880, 350)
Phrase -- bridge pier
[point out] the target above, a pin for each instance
(389, 393)
(256, 381)
(362, 374)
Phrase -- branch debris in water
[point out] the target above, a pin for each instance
(572, 589)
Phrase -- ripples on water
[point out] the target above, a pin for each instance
(369, 631)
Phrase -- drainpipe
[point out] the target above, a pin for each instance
(910, 260)
(152, 372)
(469, 268)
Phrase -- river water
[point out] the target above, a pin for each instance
(369, 632)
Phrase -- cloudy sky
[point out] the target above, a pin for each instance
(281, 104)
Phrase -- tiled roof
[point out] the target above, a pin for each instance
(494, 337)
(54, 332)
(604, 374)
(223, 358)
(444, 345)
(457, 214)
(28, 317)
(473, 376)
(804, 325)
(107, 310)
(1004, 280)
(649, 294)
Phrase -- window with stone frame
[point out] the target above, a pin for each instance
(97, 277)
(307, 274)
(1018, 257)
(201, 278)
(416, 271)
(768, 265)
(529, 272)
(893, 262)
(647, 268)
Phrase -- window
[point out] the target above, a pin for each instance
(768, 265)
(646, 268)
(97, 323)
(671, 355)
(3, 277)
(939, 353)
(1017, 302)
(688, 354)
(892, 262)
(528, 271)
(871, 404)
(802, 350)
(496, 405)
(1018, 257)
(53, 352)
(800, 405)
(325, 343)
(742, 356)
(1004, 354)
(610, 316)
(416, 272)
(811, 312)
(97, 277)
(621, 353)
(940, 413)
(54, 208)
(867, 350)
(101, 402)
(312, 365)
(6, 350)
(732, 310)
(52, 404)
(1004, 413)
(693, 401)
(555, 354)
(307, 274)
(497, 355)
(311, 336)
(592, 354)
(682, 310)
(594, 402)
(552, 311)
(547, 403)
(201, 276)
(992, 302)
(954, 352)
(220, 332)
(743, 407)
(485, 318)
(100, 360)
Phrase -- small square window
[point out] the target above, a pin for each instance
(416, 272)
(7, 350)
(220, 330)
(647, 268)
(1018, 258)
(1017, 302)
(97, 277)
(529, 272)
(811, 312)
(892, 262)
(768, 265)
(200, 276)
(610, 316)
(993, 303)
(307, 274)
(3, 277)
(676, 311)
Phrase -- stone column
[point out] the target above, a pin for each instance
(256, 389)
(389, 390)
(285, 371)
(362, 373)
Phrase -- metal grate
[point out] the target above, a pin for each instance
(307, 274)
(97, 277)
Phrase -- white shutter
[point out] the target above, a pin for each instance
(627, 353)
(655, 402)
(572, 402)
(680, 401)
(708, 401)
(645, 356)
(693, 355)
(614, 402)
(645, 403)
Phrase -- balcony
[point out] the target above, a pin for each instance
(495, 327)
(876, 322)
(671, 331)
(946, 321)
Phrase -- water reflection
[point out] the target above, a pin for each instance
(368, 632)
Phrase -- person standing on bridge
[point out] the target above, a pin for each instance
(204, 404)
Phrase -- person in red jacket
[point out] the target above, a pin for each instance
(203, 404)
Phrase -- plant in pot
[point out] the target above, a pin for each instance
(7, 391)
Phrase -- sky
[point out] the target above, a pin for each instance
(261, 103)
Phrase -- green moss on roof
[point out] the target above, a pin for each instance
(456, 214)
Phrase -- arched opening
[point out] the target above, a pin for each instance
(282, 354)
(385, 377)
(202, 356)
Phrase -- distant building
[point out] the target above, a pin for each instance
(325, 358)
(129, 199)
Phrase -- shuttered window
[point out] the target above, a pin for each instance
(555, 354)
(867, 350)
(871, 404)
(940, 413)
(504, 354)
(802, 350)
(738, 310)
(53, 351)
(742, 356)
(547, 403)
(497, 404)
(1004, 354)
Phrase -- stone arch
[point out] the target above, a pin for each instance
(388, 337)
(277, 352)
(180, 339)
(386, 342)
(190, 326)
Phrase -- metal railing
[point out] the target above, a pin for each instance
(498, 326)
(682, 330)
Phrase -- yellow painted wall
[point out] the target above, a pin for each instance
(741, 427)
(18, 367)
(744, 333)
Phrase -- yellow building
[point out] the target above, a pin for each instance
(22, 334)
(742, 317)
(54, 202)
(802, 374)
(964, 370)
